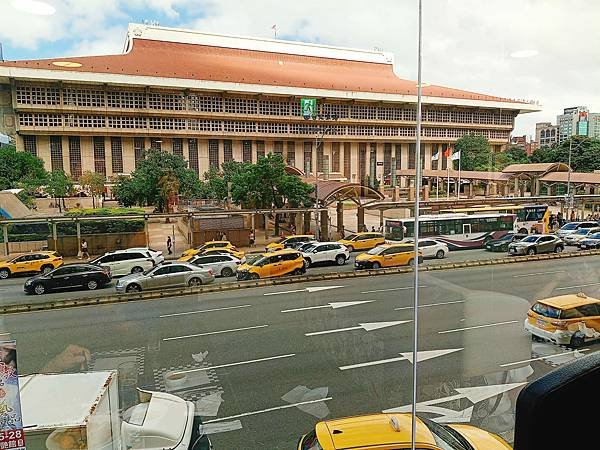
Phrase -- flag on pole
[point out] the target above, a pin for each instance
(274, 28)
(435, 157)
(448, 152)
(456, 156)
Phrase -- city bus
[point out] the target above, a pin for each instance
(457, 230)
(528, 216)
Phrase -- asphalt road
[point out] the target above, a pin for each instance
(11, 290)
(268, 363)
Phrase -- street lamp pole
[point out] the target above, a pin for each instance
(569, 199)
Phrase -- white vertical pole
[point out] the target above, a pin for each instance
(458, 193)
(416, 245)
(448, 183)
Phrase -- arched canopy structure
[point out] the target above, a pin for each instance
(334, 191)
(291, 170)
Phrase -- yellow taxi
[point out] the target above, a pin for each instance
(393, 432)
(387, 255)
(362, 241)
(273, 264)
(239, 254)
(288, 241)
(207, 245)
(44, 262)
(566, 320)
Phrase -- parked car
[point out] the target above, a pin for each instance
(44, 262)
(164, 276)
(501, 245)
(393, 431)
(362, 241)
(572, 319)
(210, 244)
(287, 242)
(430, 248)
(221, 265)
(87, 276)
(302, 244)
(536, 243)
(273, 264)
(239, 254)
(326, 252)
(591, 241)
(580, 234)
(124, 262)
(572, 227)
(387, 255)
(156, 255)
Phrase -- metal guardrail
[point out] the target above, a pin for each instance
(223, 287)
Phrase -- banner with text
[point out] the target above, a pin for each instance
(11, 420)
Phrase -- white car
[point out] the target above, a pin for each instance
(156, 255)
(222, 265)
(125, 262)
(430, 248)
(579, 235)
(331, 252)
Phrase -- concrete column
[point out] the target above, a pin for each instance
(471, 189)
(5, 236)
(426, 192)
(381, 217)
(487, 189)
(360, 218)
(324, 223)
(536, 186)
(339, 209)
(146, 231)
(55, 236)
(456, 188)
(493, 189)
(306, 224)
(411, 193)
(78, 228)
(396, 194)
(266, 226)
(516, 186)
(299, 222)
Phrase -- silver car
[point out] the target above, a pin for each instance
(579, 235)
(221, 265)
(536, 243)
(164, 276)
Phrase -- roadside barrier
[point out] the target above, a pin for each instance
(223, 287)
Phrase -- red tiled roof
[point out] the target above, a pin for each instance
(202, 62)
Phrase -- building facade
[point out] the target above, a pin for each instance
(546, 133)
(213, 99)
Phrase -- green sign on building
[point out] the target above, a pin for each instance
(308, 106)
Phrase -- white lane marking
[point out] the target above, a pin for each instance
(224, 427)
(308, 289)
(576, 286)
(240, 363)
(201, 311)
(214, 332)
(573, 352)
(275, 408)
(430, 304)
(407, 356)
(332, 305)
(479, 326)
(537, 273)
(367, 326)
(391, 289)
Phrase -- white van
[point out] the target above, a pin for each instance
(124, 262)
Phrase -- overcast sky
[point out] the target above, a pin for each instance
(467, 43)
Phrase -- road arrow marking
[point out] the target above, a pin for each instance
(430, 305)
(407, 356)
(391, 289)
(429, 354)
(214, 332)
(476, 327)
(240, 363)
(332, 305)
(368, 326)
(308, 289)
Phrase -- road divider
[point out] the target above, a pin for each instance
(115, 298)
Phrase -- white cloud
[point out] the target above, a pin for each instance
(467, 43)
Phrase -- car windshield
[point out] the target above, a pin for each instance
(546, 310)
(259, 261)
(351, 237)
(377, 250)
(582, 231)
(507, 237)
(309, 248)
(530, 239)
(594, 236)
(251, 258)
(570, 226)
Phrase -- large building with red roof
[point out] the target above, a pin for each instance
(213, 98)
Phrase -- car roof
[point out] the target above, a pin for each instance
(216, 242)
(366, 232)
(126, 250)
(300, 235)
(372, 430)
(281, 252)
(569, 301)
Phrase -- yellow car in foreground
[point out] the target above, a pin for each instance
(33, 262)
(393, 432)
(273, 264)
(387, 255)
(362, 241)
(207, 245)
(566, 320)
(289, 240)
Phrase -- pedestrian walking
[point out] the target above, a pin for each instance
(223, 237)
(169, 245)
(251, 238)
(84, 250)
(373, 228)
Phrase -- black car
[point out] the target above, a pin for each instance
(501, 245)
(68, 276)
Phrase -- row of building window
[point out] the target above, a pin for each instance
(240, 127)
(86, 97)
(340, 154)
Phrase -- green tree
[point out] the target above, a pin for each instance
(168, 188)
(514, 154)
(93, 184)
(143, 186)
(59, 186)
(475, 153)
(20, 170)
(585, 153)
